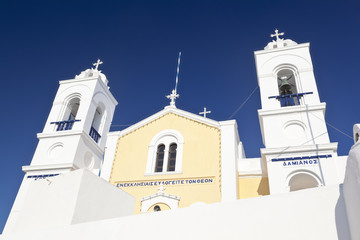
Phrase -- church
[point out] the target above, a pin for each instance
(183, 165)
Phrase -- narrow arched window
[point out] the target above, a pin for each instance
(172, 157)
(165, 153)
(95, 126)
(160, 158)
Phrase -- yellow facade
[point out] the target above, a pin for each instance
(199, 180)
(249, 187)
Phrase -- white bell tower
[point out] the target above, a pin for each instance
(298, 153)
(74, 135)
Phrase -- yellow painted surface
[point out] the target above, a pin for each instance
(201, 160)
(253, 187)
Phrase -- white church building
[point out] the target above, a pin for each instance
(180, 175)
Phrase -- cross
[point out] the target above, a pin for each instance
(161, 188)
(277, 34)
(172, 97)
(204, 112)
(97, 64)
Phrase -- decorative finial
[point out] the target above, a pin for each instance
(173, 97)
(204, 112)
(97, 64)
(277, 34)
(161, 188)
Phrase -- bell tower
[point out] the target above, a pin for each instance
(298, 153)
(74, 135)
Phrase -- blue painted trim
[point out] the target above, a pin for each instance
(94, 135)
(300, 158)
(42, 176)
(64, 125)
(288, 100)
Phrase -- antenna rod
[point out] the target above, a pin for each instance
(177, 72)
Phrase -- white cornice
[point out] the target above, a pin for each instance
(248, 174)
(292, 109)
(302, 45)
(160, 195)
(165, 111)
(299, 149)
(32, 168)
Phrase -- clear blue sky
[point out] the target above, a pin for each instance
(43, 42)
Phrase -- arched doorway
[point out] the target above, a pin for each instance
(303, 180)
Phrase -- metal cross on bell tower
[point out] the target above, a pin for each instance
(98, 62)
(277, 34)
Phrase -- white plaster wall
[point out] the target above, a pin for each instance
(294, 126)
(341, 167)
(70, 198)
(249, 166)
(229, 148)
(67, 153)
(308, 214)
(17, 206)
(352, 188)
(325, 170)
(110, 149)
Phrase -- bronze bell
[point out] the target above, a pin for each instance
(285, 85)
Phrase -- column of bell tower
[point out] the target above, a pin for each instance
(298, 153)
(74, 134)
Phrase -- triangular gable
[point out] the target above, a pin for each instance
(165, 111)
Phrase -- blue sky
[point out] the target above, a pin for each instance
(43, 42)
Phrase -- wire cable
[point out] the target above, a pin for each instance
(241, 105)
(345, 134)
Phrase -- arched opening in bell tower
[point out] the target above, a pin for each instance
(96, 124)
(71, 109)
(69, 117)
(286, 82)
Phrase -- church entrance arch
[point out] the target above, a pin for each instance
(302, 180)
(157, 207)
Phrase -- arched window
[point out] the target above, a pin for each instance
(165, 153)
(160, 158)
(303, 180)
(172, 157)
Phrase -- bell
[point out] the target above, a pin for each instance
(285, 85)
